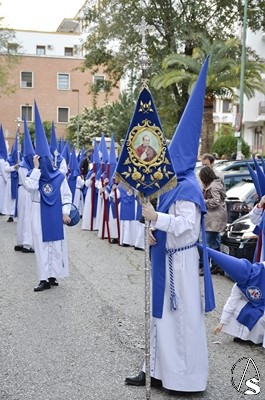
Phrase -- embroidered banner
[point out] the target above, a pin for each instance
(145, 163)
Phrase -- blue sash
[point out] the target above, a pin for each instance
(254, 290)
(14, 184)
(188, 189)
(127, 206)
(72, 185)
(51, 209)
(250, 314)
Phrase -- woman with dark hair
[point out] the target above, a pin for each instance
(216, 217)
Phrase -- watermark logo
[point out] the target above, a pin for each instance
(245, 376)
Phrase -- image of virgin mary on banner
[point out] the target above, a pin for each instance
(144, 162)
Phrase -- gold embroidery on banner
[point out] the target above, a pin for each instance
(146, 148)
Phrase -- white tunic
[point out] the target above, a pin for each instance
(87, 210)
(128, 228)
(179, 354)
(236, 301)
(24, 203)
(51, 257)
(78, 197)
(3, 179)
(9, 203)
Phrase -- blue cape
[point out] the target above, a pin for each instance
(50, 201)
(187, 189)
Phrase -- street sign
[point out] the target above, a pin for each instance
(238, 122)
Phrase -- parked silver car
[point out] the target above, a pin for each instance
(240, 199)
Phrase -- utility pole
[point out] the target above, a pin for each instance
(78, 122)
(238, 124)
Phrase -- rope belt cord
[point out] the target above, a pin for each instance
(173, 295)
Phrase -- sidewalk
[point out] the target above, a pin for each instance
(80, 340)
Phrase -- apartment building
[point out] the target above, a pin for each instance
(254, 109)
(49, 72)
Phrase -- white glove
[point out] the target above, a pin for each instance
(148, 212)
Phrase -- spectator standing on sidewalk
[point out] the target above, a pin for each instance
(208, 161)
(216, 217)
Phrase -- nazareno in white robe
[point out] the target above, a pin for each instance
(87, 209)
(9, 203)
(179, 356)
(51, 257)
(24, 203)
(3, 179)
(234, 304)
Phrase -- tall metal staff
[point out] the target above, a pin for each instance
(145, 165)
(147, 311)
(93, 188)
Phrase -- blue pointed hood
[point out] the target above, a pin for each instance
(43, 149)
(184, 147)
(13, 156)
(250, 278)
(12, 159)
(239, 269)
(42, 146)
(185, 142)
(183, 152)
(60, 145)
(96, 158)
(3, 149)
(28, 150)
(53, 139)
(54, 147)
(103, 150)
(255, 179)
(261, 177)
(74, 172)
(81, 156)
(112, 157)
(66, 152)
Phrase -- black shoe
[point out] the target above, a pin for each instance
(138, 248)
(242, 341)
(53, 281)
(215, 270)
(10, 219)
(18, 248)
(43, 285)
(114, 241)
(125, 245)
(25, 250)
(178, 393)
(139, 380)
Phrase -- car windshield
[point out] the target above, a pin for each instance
(237, 165)
(222, 165)
(240, 190)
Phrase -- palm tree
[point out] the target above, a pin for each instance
(223, 77)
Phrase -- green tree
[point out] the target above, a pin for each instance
(119, 115)
(115, 34)
(115, 40)
(9, 58)
(223, 76)
(47, 125)
(92, 123)
(226, 145)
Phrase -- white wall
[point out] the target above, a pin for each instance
(30, 39)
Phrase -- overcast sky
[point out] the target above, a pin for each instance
(40, 15)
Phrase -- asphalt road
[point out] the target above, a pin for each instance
(80, 340)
